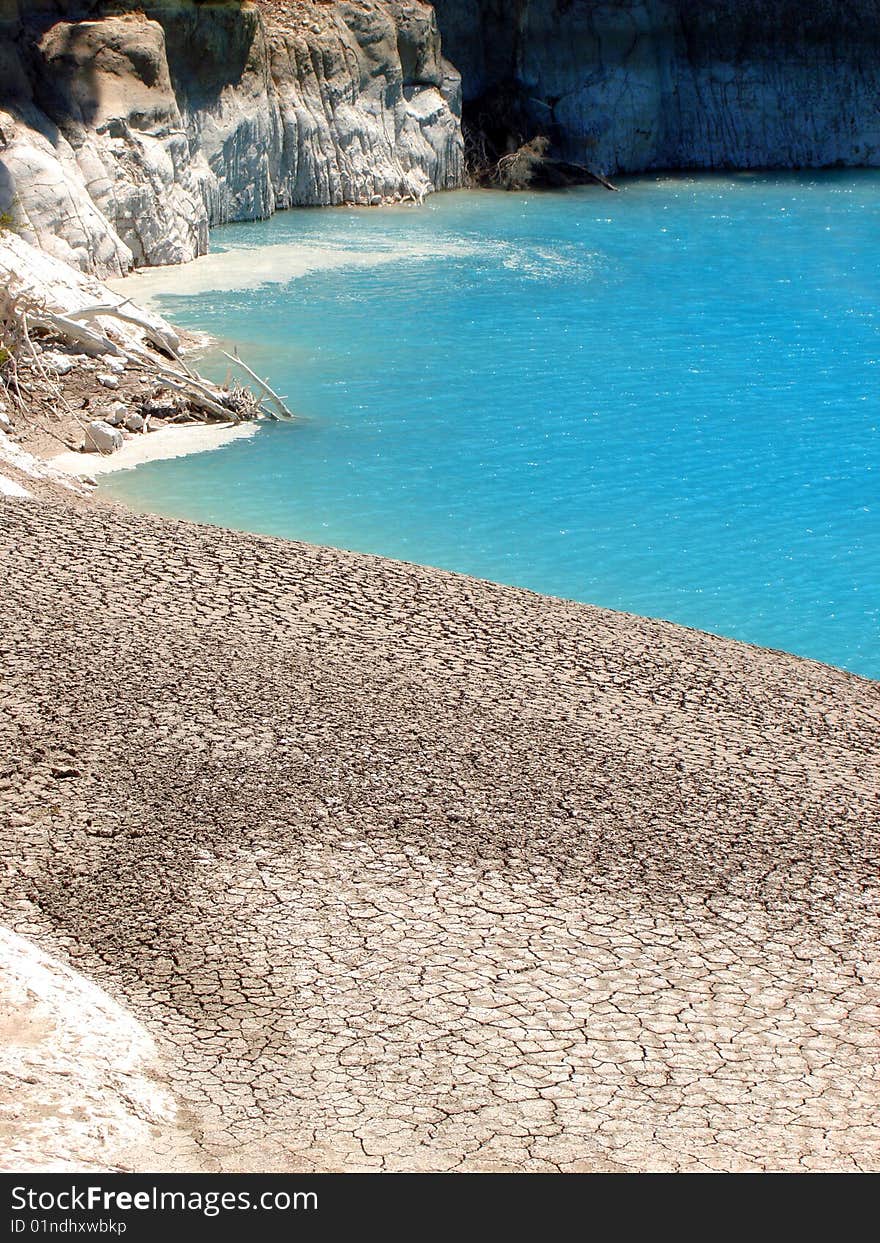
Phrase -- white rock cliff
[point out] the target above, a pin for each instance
(123, 137)
(631, 85)
(126, 133)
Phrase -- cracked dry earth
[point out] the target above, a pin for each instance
(403, 870)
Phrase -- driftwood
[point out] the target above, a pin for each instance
(200, 399)
(83, 338)
(11, 388)
(531, 165)
(198, 391)
(263, 389)
(587, 173)
(52, 384)
(151, 332)
(264, 384)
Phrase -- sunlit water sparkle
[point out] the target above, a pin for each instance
(663, 401)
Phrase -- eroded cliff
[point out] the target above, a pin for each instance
(125, 134)
(638, 84)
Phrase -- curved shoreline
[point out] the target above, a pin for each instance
(162, 445)
(777, 582)
(405, 870)
(323, 861)
(402, 869)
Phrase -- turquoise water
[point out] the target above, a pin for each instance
(663, 401)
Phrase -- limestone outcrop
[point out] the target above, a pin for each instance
(125, 132)
(631, 85)
(125, 135)
(102, 438)
(85, 1085)
(83, 367)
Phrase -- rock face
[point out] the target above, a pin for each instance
(88, 1091)
(31, 274)
(125, 135)
(639, 84)
(393, 103)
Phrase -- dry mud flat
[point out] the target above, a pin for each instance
(406, 871)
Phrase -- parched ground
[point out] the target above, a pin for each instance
(404, 870)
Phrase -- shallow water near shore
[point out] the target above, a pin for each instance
(663, 400)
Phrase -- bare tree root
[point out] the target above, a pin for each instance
(84, 332)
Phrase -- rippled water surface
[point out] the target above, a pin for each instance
(663, 400)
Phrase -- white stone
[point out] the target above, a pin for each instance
(87, 1084)
(56, 363)
(115, 414)
(35, 468)
(8, 487)
(108, 381)
(102, 438)
(134, 422)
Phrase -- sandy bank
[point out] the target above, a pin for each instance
(167, 442)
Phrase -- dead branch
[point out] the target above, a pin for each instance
(151, 332)
(264, 384)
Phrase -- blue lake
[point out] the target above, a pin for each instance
(665, 400)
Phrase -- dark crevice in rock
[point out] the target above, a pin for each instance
(630, 85)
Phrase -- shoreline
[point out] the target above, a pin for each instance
(163, 444)
(188, 440)
(223, 270)
(403, 869)
(603, 858)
